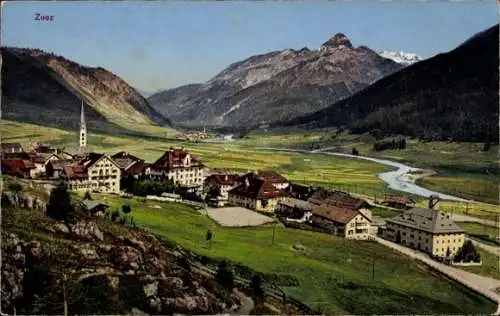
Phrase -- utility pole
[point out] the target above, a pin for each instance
(274, 234)
(65, 295)
(373, 266)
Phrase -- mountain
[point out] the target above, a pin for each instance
(403, 58)
(451, 96)
(47, 89)
(280, 84)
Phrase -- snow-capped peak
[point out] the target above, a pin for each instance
(401, 57)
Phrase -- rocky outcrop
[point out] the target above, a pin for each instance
(126, 257)
(16, 257)
(86, 230)
(22, 201)
(132, 270)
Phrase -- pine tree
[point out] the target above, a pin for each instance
(59, 206)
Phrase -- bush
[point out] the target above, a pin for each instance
(126, 209)
(87, 196)
(115, 215)
(15, 187)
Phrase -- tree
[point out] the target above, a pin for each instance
(114, 215)
(256, 286)
(208, 237)
(59, 206)
(126, 209)
(15, 187)
(355, 151)
(87, 196)
(448, 252)
(225, 275)
(467, 253)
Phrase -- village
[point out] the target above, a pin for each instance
(236, 199)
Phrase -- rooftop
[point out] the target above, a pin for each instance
(292, 202)
(258, 188)
(428, 220)
(224, 179)
(337, 198)
(335, 214)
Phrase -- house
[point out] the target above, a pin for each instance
(337, 198)
(257, 194)
(342, 222)
(41, 160)
(12, 148)
(42, 148)
(95, 208)
(300, 191)
(95, 172)
(126, 161)
(54, 168)
(18, 168)
(181, 167)
(401, 202)
(76, 152)
(217, 187)
(293, 208)
(427, 230)
(277, 180)
(138, 169)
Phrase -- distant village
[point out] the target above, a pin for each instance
(265, 191)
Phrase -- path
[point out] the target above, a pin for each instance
(494, 250)
(488, 287)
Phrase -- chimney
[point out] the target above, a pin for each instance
(247, 183)
(225, 178)
(433, 201)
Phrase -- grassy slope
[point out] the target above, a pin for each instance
(334, 274)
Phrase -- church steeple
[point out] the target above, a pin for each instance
(83, 129)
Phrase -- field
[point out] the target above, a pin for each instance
(332, 272)
(478, 229)
(454, 162)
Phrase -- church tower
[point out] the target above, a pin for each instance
(83, 129)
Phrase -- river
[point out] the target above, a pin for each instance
(395, 179)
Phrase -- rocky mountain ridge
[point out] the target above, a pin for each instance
(47, 89)
(452, 96)
(280, 84)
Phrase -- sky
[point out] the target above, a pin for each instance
(164, 44)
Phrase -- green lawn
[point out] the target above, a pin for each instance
(476, 228)
(334, 274)
(490, 266)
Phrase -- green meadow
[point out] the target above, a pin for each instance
(335, 274)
